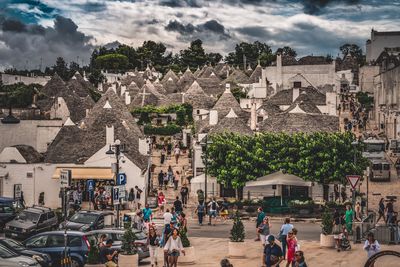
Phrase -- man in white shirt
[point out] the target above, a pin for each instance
(167, 217)
(213, 208)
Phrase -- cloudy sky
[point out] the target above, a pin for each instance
(35, 30)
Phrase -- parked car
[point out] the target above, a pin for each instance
(117, 234)
(52, 243)
(7, 210)
(17, 247)
(9, 258)
(87, 220)
(31, 221)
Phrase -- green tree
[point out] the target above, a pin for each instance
(237, 231)
(17, 95)
(252, 52)
(193, 56)
(115, 62)
(61, 69)
(353, 50)
(286, 51)
(128, 240)
(365, 100)
(94, 254)
(96, 77)
(154, 54)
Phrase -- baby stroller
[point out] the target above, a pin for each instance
(344, 243)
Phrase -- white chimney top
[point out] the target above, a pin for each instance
(107, 105)
(69, 122)
(213, 117)
(231, 114)
(227, 88)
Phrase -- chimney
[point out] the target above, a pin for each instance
(279, 60)
(100, 87)
(213, 117)
(296, 93)
(227, 88)
(253, 121)
(87, 112)
(127, 98)
(109, 135)
(123, 89)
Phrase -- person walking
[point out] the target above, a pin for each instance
(389, 212)
(153, 241)
(167, 217)
(285, 229)
(177, 178)
(166, 180)
(178, 205)
(272, 253)
(131, 199)
(357, 209)
(161, 202)
(174, 247)
(170, 173)
(183, 222)
(147, 214)
(162, 159)
(213, 208)
(291, 244)
(259, 220)
(200, 210)
(160, 179)
(184, 194)
(349, 219)
(167, 232)
(177, 153)
(264, 230)
(138, 193)
(371, 246)
(381, 210)
(299, 259)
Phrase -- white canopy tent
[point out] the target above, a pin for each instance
(198, 183)
(271, 185)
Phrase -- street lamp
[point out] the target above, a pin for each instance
(116, 150)
(205, 146)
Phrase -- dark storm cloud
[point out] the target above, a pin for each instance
(253, 31)
(22, 42)
(182, 3)
(211, 26)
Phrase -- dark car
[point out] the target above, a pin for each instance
(52, 243)
(42, 258)
(9, 258)
(7, 210)
(86, 220)
(117, 234)
(31, 221)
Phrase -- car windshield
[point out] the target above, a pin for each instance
(13, 244)
(6, 253)
(28, 216)
(83, 218)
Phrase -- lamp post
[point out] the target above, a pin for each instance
(353, 195)
(205, 145)
(116, 150)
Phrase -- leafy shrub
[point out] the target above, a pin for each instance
(169, 129)
(327, 223)
(93, 255)
(128, 240)
(184, 238)
(237, 231)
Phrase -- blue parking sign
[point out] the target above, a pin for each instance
(90, 185)
(121, 179)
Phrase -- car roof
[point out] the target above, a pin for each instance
(38, 209)
(61, 232)
(98, 212)
(6, 199)
(112, 230)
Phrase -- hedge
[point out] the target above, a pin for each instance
(169, 129)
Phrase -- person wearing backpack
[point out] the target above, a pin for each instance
(213, 208)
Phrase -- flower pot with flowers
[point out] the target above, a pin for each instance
(237, 245)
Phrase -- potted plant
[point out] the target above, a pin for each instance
(93, 259)
(326, 238)
(237, 246)
(190, 256)
(128, 257)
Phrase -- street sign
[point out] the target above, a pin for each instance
(90, 185)
(17, 191)
(65, 178)
(116, 194)
(353, 180)
(121, 179)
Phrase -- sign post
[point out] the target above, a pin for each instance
(17, 191)
(65, 182)
(121, 179)
(353, 181)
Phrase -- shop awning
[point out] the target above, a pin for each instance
(85, 173)
(278, 178)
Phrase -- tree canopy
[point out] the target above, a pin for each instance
(321, 157)
(353, 50)
(252, 53)
(17, 95)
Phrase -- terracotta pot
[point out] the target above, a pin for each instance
(327, 241)
(188, 258)
(237, 249)
(128, 260)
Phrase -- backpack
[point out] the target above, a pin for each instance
(214, 206)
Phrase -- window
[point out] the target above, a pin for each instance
(37, 242)
(55, 241)
(297, 84)
(74, 241)
(198, 111)
(50, 215)
(42, 218)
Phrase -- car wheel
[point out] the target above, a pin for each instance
(76, 263)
